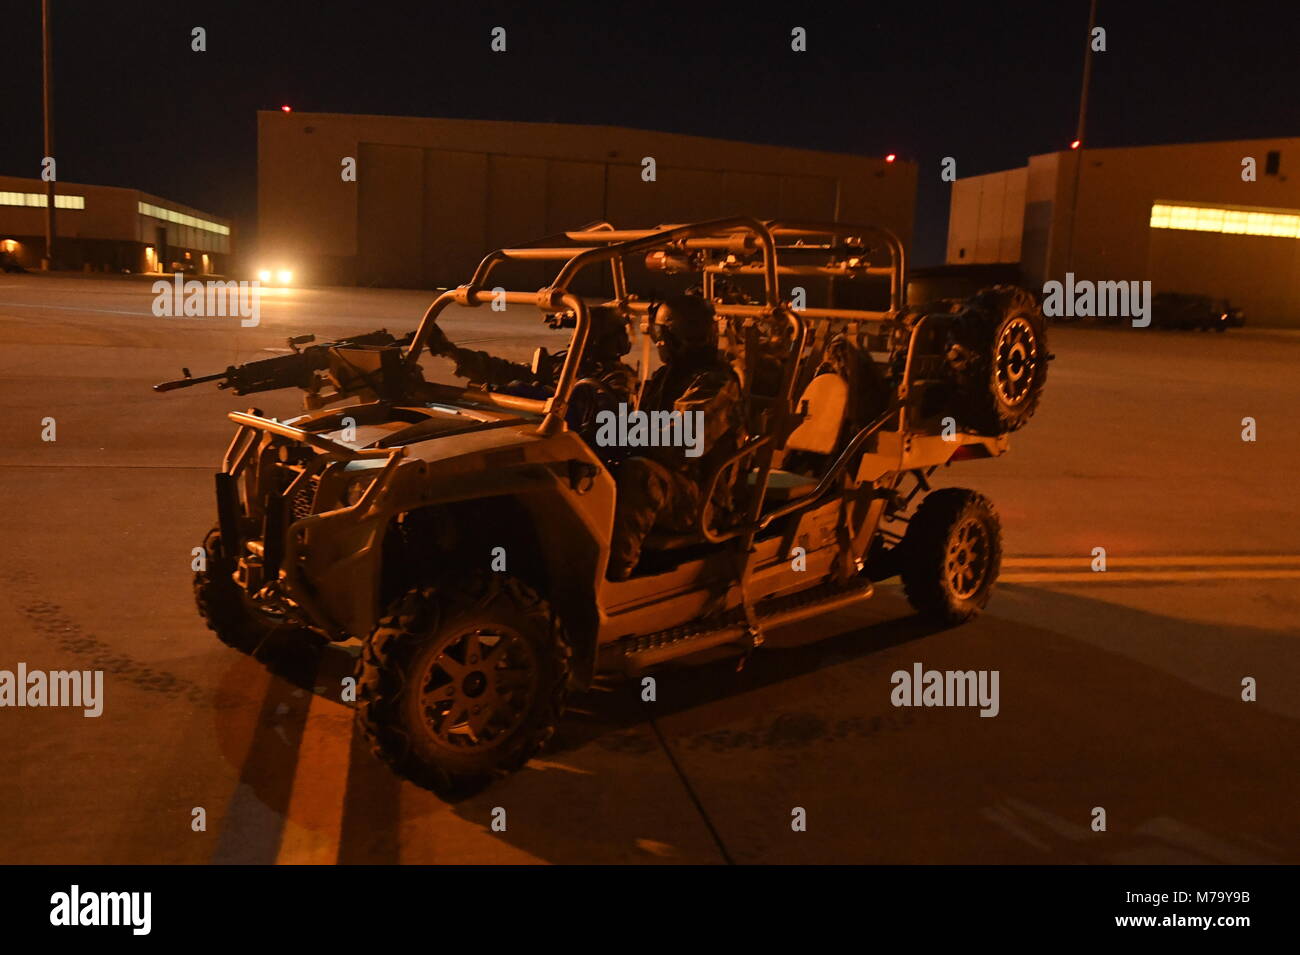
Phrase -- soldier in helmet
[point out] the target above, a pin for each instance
(663, 488)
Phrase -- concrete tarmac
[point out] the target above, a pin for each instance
(1119, 690)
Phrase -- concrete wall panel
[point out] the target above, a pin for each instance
(632, 203)
(750, 194)
(390, 211)
(807, 197)
(963, 221)
(516, 206)
(575, 194)
(455, 211)
(986, 218)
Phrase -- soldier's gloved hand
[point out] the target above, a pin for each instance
(439, 343)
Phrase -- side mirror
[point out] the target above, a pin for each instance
(541, 365)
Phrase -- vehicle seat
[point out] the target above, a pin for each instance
(824, 405)
(827, 398)
(827, 401)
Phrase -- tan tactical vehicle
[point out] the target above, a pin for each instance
(462, 533)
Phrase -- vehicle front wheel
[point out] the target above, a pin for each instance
(464, 681)
(951, 555)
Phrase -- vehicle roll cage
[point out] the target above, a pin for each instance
(730, 246)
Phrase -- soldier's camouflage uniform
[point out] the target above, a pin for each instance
(484, 368)
(510, 377)
(662, 489)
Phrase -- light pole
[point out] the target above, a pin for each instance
(1087, 75)
(1078, 134)
(48, 66)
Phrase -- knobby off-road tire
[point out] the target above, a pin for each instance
(998, 359)
(464, 681)
(223, 605)
(951, 555)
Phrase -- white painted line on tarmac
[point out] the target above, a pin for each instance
(75, 308)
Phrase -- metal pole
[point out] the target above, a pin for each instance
(1078, 133)
(1087, 75)
(48, 65)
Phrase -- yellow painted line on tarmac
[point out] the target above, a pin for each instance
(1133, 576)
(313, 824)
(1169, 568)
(1208, 560)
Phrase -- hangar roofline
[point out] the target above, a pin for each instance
(1093, 150)
(502, 125)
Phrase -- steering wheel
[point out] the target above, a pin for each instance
(587, 398)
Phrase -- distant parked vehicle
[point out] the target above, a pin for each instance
(1184, 311)
(1235, 317)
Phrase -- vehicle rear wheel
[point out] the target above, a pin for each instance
(951, 555)
(224, 606)
(463, 682)
(998, 358)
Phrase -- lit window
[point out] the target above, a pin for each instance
(1280, 224)
(1235, 223)
(38, 200)
(180, 218)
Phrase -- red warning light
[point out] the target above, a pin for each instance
(286, 109)
(1075, 145)
(890, 158)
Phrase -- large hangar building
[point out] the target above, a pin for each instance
(110, 229)
(1181, 216)
(432, 196)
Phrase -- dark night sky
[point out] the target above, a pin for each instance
(987, 83)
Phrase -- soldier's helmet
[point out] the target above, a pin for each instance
(683, 323)
(609, 338)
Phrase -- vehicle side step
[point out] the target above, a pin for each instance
(639, 652)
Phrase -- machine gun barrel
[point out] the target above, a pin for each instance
(282, 371)
(188, 380)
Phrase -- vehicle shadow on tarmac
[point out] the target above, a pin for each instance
(616, 704)
(709, 770)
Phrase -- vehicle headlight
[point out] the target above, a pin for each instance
(284, 276)
(264, 275)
